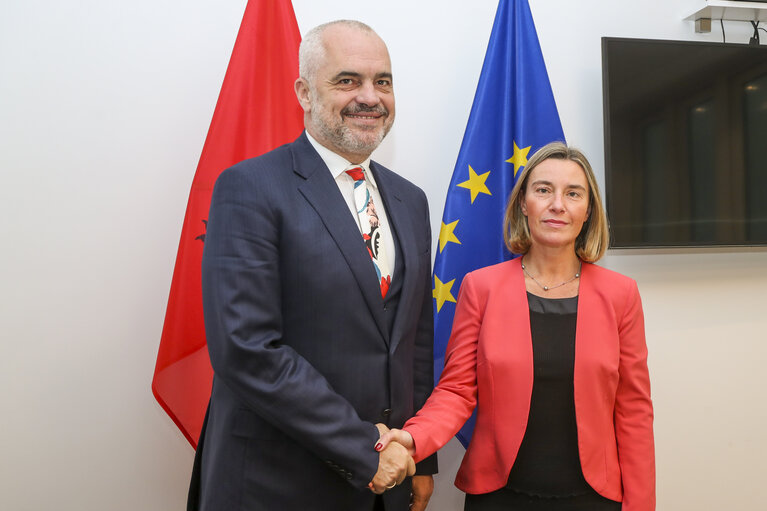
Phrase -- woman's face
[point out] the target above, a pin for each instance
(556, 203)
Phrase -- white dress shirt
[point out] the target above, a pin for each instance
(338, 165)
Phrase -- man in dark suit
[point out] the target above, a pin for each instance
(318, 307)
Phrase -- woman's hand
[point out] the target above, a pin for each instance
(396, 435)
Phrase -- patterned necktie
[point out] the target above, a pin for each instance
(371, 227)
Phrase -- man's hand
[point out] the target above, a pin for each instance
(423, 486)
(394, 464)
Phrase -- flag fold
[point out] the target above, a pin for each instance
(257, 110)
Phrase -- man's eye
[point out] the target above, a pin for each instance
(345, 81)
(383, 83)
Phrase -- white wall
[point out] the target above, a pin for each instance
(104, 107)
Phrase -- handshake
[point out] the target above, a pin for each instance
(396, 449)
(395, 462)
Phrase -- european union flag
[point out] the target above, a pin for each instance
(513, 115)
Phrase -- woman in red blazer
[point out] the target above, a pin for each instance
(550, 348)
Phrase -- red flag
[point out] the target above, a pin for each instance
(257, 110)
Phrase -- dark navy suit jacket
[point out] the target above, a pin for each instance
(304, 358)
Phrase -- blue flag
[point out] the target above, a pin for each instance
(513, 115)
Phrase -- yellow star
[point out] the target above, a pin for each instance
(441, 292)
(476, 184)
(446, 234)
(519, 159)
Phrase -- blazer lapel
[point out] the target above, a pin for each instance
(514, 296)
(588, 330)
(321, 191)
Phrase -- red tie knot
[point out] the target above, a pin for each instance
(356, 173)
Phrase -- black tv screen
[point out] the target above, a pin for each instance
(685, 143)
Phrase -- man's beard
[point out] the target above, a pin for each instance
(357, 141)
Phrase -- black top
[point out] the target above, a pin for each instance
(548, 463)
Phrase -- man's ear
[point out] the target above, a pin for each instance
(303, 94)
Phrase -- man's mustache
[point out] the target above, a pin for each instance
(363, 108)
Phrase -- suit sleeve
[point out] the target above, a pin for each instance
(455, 396)
(243, 320)
(633, 410)
(423, 362)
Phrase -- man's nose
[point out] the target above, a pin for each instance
(368, 95)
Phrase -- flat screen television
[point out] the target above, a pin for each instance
(685, 143)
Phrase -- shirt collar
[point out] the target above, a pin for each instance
(337, 164)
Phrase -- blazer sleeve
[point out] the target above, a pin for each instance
(633, 410)
(243, 320)
(455, 396)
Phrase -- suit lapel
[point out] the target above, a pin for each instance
(321, 191)
(397, 213)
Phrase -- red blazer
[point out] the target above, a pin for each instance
(489, 364)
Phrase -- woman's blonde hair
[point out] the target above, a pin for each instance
(591, 243)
